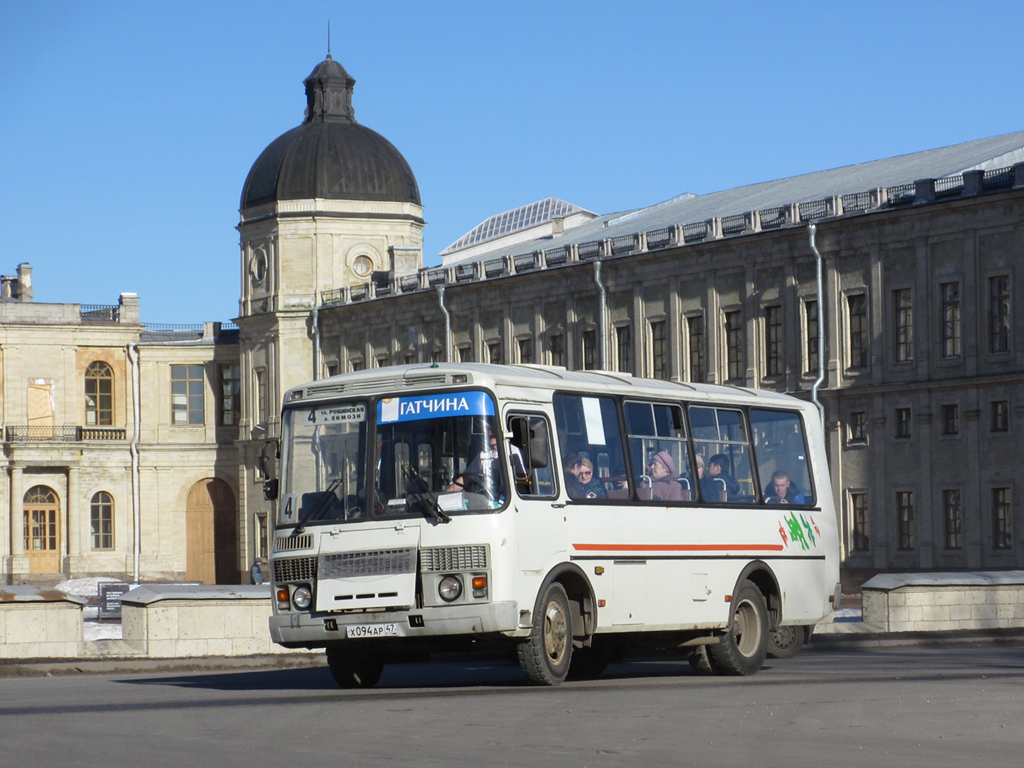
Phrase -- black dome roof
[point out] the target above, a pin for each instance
(330, 155)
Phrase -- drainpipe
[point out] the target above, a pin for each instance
(447, 325)
(133, 359)
(316, 342)
(812, 229)
(603, 312)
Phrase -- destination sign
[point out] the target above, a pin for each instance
(419, 407)
(337, 414)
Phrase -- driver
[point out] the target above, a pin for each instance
(480, 465)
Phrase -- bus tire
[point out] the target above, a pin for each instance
(742, 649)
(354, 667)
(545, 655)
(785, 642)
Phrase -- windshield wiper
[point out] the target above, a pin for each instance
(427, 502)
(321, 504)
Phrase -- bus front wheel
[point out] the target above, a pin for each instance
(741, 650)
(354, 667)
(544, 657)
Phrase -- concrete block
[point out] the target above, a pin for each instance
(162, 622)
(935, 613)
(918, 598)
(983, 613)
(959, 613)
(948, 597)
(914, 614)
(896, 598)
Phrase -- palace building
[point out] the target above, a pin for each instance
(882, 291)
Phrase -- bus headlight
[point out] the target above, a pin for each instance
(302, 597)
(449, 588)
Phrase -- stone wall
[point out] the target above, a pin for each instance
(944, 602)
(39, 623)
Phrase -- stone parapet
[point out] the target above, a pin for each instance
(944, 602)
(39, 623)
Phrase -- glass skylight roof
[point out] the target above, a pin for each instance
(512, 221)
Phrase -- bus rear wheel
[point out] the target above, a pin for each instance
(742, 650)
(354, 667)
(786, 642)
(544, 657)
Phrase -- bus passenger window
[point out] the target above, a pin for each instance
(657, 448)
(721, 443)
(588, 429)
(529, 454)
(781, 457)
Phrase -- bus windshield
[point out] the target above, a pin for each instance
(419, 455)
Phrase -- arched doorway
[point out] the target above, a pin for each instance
(211, 533)
(42, 530)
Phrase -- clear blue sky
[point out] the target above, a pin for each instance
(128, 128)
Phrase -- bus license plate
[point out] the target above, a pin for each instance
(371, 630)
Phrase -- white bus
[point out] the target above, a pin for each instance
(566, 515)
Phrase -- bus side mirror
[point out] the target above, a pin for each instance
(531, 440)
(539, 448)
(267, 463)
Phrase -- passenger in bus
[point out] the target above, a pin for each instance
(592, 487)
(662, 470)
(571, 466)
(782, 491)
(718, 472)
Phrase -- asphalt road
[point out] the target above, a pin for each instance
(902, 706)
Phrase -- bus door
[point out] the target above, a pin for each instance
(540, 518)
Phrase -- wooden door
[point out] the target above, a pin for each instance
(211, 534)
(42, 530)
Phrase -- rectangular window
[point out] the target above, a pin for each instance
(659, 349)
(437, 356)
(589, 350)
(333, 368)
(954, 519)
(811, 325)
(860, 531)
(525, 351)
(695, 343)
(409, 358)
(101, 520)
(856, 305)
(230, 395)
(465, 353)
(624, 348)
(773, 341)
(734, 345)
(1000, 416)
(999, 314)
(903, 325)
(722, 447)
(1002, 519)
(556, 349)
(950, 293)
(187, 395)
(383, 361)
(262, 397)
(905, 520)
(357, 364)
(494, 352)
(902, 422)
(951, 420)
(858, 427)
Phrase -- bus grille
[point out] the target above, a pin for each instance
(453, 558)
(294, 569)
(378, 562)
(289, 543)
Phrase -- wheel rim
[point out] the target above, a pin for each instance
(555, 633)
(747, 629)
(785, 638)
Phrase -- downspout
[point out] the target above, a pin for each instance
(316, 342)
(133, 359)
(603, 312)
(812, 229)
(447, 325)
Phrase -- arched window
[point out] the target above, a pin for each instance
(99, 395)
(101, 518)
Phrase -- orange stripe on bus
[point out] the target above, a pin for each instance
(677, 547)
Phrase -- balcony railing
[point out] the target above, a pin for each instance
(62, 434)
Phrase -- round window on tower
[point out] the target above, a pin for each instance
(258, 265)
(362, 265)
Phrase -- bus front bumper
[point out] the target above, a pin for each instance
(303, 630)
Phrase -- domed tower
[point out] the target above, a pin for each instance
(325, 206)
